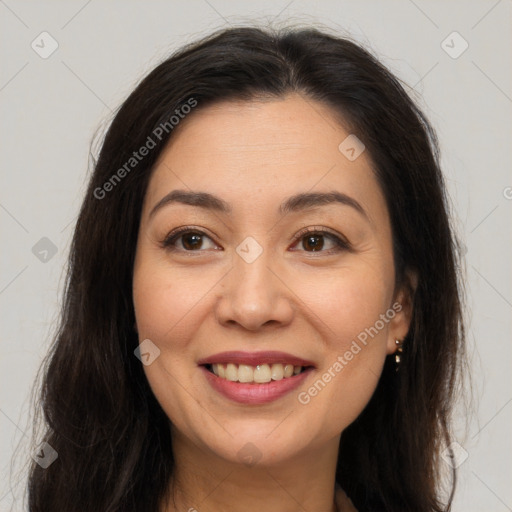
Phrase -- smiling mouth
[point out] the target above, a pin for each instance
(259, 374)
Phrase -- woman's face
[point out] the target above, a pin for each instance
(246, 278)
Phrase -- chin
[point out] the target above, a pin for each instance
(256, 445)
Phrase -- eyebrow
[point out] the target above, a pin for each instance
(295, 203)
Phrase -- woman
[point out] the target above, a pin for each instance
(262, 308)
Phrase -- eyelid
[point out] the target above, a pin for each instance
(175, 234)
(320, 230)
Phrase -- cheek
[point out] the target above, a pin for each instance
(165, 299)
(350, 308)
(169, 308)
(348, 301)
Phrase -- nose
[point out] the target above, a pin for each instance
(255, 295)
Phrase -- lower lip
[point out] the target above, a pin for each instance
(255, 393)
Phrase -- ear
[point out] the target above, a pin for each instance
(402, 305)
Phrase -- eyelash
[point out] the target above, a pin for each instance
(169, 243)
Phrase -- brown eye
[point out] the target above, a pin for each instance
(314, 240)
(191, 240)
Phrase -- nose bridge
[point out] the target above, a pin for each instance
(252, 276)
(253, 295)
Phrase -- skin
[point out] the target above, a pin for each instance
(312, 304)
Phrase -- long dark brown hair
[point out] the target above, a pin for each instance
(100, 415)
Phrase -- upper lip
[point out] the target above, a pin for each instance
(255, 358)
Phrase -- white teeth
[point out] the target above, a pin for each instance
(245, 373)
(288, 370)
(277, 372)
(231, 372)
(260, 374)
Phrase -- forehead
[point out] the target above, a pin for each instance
(260, 151)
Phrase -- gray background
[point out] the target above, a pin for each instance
(52, 107)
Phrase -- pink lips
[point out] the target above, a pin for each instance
(254, 358)
(253, 393)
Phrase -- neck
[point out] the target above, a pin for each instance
(205, 482)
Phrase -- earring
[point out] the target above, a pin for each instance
(398, 353)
